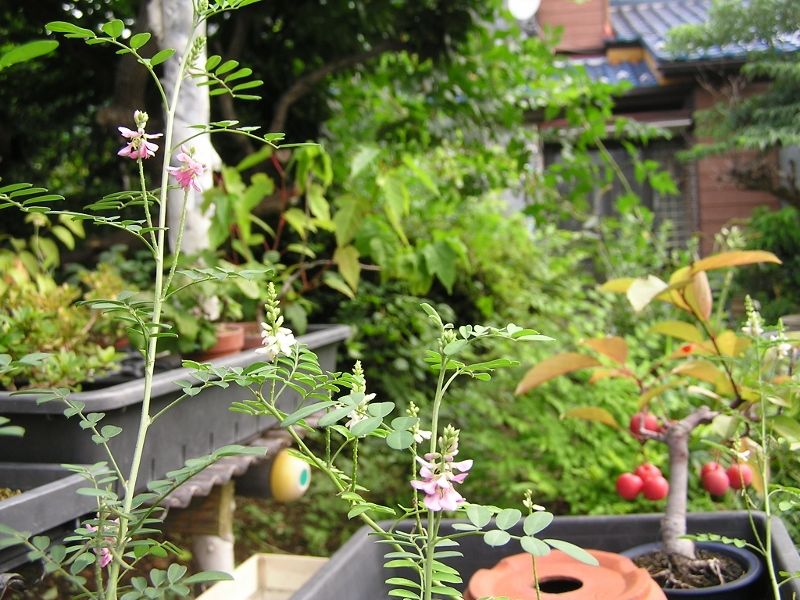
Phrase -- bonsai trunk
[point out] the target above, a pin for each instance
(673, 524)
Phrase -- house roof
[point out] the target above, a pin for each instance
(648, 21)
(600, 69)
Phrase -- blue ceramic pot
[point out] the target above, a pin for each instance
(746, 587)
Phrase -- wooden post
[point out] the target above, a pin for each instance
(209, 520)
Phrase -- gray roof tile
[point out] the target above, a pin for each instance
(648, 21)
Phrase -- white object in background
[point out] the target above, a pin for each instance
(522, 10)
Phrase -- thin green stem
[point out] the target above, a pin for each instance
(148, 217)
(152, 341)
(764, 464)
(178, 243)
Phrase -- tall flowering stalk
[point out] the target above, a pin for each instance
(348, 414)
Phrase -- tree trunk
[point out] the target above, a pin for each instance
(673, 523)
(171, 21)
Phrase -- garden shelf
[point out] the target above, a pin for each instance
(356, 570)
(194, 427)
(48, 500)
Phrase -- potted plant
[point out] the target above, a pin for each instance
(714, 379)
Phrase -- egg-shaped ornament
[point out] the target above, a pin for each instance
(289, 477)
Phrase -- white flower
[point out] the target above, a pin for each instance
(276, 342)
(360, 413)
(753, 328)
(420, 435)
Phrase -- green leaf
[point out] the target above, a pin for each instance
(346, 258)
(455, 347)
(114, 28)
(441, 259)
(366, 426)
(507, 518)
(306, 411)
(496, 537)
(81, 562)
(333, 280)
(401, 593)
(139, 40)
(536, 522)
(362, 159)
(479, 515)
(70, 29)
(786, 427)
(535, 547)
(213, 61)
(334, 416)
(380, 409)
(404, 422)
(399, 440)
(228, 65)
(574, 551)
(109, 431)
(26, 52)
(162, 56)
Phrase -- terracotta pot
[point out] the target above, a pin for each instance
(744, 588)
(230, 339)
(561, 576)
(252, 334)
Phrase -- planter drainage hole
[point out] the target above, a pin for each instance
(559, 585)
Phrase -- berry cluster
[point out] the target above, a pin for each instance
(646, 479)
(716, 480)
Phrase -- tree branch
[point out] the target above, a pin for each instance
(307, 82)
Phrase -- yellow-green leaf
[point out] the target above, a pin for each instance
(698, 296)
(679, 330)
(734, 258)
(592, 413)
(346, 258)
(552, 367)
(708, 372)
(619, 286)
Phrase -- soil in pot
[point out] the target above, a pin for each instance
(719, 571)
(677, 572)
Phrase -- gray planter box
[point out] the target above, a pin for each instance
(356, 570)
(194, 427)
(48, 499)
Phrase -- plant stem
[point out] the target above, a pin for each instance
(433, 526)
(152, 341)
(764, 463)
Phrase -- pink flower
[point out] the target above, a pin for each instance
(138, 146)
(186, 175)
(438, 476)
(104, 556)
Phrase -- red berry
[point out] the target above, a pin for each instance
(708, 467)
(716, 481)
(655, 488)
(629, 485)
(647, 471)
(645, 421)
(740, 475)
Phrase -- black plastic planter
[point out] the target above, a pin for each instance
(743, 588)
(194, 427)
(356, 571)
(48, 499)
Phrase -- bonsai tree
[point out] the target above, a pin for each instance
(702, 366)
